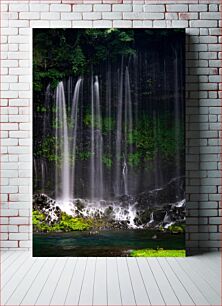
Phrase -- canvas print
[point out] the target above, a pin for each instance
(108, 142)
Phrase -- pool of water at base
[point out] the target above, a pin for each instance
(103, 243)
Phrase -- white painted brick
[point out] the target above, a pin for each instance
(171, 16)
(9, 31)
(213, 7)
(4, 7)
(9, 63)
(24, 212)
(102, 7)
(39, 7)
(162, 23)
(3, 220)
(102, 23)
(137, 8)
(19, 102)
(177, 8)
(29, 15)
(82, 24)
(112, 15)
(18, 236)
(134, 15)
(9, 244)
(179, 23)
(142, 23)
(122, 7)
(60, 24)
(93, 15)
(20, 7)
(60, 8)
(207, 15)
(9, 142)
(203, 23)
(19, 23)
(71, 16)
(197, 7)
(39, 24)
(9, 126)
(154, 8)
(25, 244)
(82, 8)
(50, 16)
(24, 229)
(122, 23)
(13, 47)
(8, 189)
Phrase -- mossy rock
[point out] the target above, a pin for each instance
(66, 224)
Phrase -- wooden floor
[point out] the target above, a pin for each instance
(110, 281)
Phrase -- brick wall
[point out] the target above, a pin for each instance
(201, 18)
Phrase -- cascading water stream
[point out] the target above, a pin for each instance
(62, 146)
(74, 116)
(98, 143)
(119, 133)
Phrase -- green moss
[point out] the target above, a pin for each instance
(66, 224)
(158, 253)
(176, 229)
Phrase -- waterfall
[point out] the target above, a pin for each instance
(43, 175)
(96, 171)
(74, 117)
(151, 218)
(62, 146)
(128, 127)
(119, 133)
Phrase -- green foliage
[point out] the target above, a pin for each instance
(48, 148)
(83, 155)
(134, 159)
(66, 224)
(59, 53)
(107, 161)
(155, 136)
(158, 253)
(78, 61)
(108, 124)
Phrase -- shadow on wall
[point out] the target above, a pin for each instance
(192, 148)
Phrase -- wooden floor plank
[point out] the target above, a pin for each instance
(5, 255)
(112, 281)
(208, 292)
(211, 261)
(139, 288)
(18, 294)
(187, 281)
(127, 294)
(75, 286)
(10, 261)
(213, 279)
(47, 292)
(86, 294)
(113, 285)
(100, 283)
(13, 270)
(181, 293)
(62, 288)
(38, 284)
(152, 287)
(17, 278)
(165, 287)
